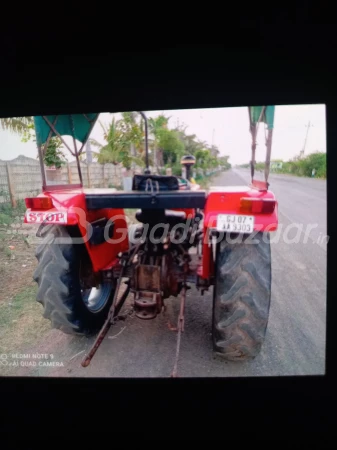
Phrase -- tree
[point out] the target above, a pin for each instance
(119, 137)
(191, 144)
(24, 127)
(155, 125)
(54, 157)
(202, 158)
(158, 123)
(17, 125)
(171, 145)
(111, 150)
(132, 133)
(223, 162)
(134, 137)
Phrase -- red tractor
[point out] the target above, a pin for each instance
(88, 255)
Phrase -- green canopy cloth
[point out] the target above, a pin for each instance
(268, 115)
(75, 125)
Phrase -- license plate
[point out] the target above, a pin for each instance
(235, 223)
(46, 217)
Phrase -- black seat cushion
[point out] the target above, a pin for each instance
(162, 216)
(159, 182)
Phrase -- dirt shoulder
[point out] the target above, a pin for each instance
(21, 321)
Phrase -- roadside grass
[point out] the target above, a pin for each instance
(3, 247)
(9, 215)
(21, 323)
(206, 181)
(21, 320)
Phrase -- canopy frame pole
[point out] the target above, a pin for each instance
(260, 118)
(42, 151)
(268, 153)
(43, 172)
(254, 129)
(90, 120)
(253, 133)
(58, 135)
(76, 152)
(92, 123)
(78, 162)
(45, 146)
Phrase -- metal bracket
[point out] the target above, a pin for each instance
(259, 185)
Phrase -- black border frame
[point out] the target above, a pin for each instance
(227, 77)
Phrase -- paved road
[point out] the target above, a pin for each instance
(295, 340)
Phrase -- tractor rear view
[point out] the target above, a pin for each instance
(89, 261)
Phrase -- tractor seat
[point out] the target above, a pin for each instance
(166, 216)
(154, 183)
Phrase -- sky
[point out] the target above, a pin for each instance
(227, 128)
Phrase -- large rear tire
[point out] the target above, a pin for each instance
(241, 297)
(66, 303)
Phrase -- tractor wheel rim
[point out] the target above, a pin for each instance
(96, 298)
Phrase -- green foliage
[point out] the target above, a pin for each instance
(300, 167)
(53, 156)
(315, 161)
(110, 151)
(28, 133)
(206, 155)
(112, 186)
(223, 162)
(176, 169)
(8, 214)
(119, 136)
(131, 132)
(5, 219)
(170, 144)
(304, 167)
(202, 158)
(122, 135)
(17, 125)
(157, 123)
(259, 166)
(190, 141)
(205, 160)
(126, 159)
(24, 127)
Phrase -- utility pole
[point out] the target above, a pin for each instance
(88, 152)
(305, 140)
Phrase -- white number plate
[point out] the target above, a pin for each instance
(235, 223)
(46, 217)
